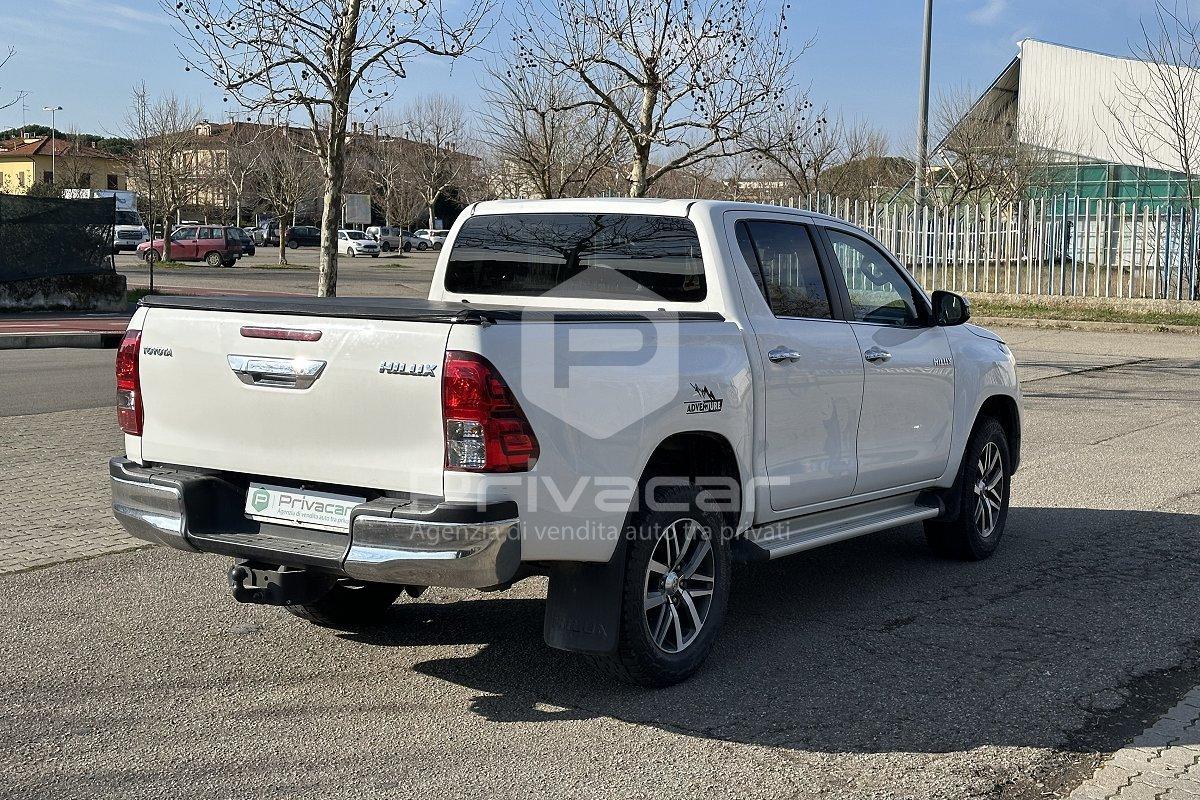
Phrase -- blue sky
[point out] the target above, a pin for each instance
(85, 55)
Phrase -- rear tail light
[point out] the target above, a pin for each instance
(129, 384)
(486, 430)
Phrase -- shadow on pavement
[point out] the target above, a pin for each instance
(875, 645)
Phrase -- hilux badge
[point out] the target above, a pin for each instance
(404, 368)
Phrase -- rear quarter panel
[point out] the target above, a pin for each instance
(598, 435)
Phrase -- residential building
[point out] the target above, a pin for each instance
(26, 162)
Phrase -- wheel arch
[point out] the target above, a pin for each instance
(703, 457)
(1004, 409)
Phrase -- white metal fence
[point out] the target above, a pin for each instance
(1060, 246)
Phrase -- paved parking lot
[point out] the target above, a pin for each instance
(390, 274)
(866, 669)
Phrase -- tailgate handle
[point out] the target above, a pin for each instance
(282, 373)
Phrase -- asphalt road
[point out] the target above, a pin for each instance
(57, 379)
(866, 669)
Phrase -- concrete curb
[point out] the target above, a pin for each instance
(29, 341)
(1085, 325)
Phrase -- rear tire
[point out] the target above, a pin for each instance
(983, 492)
(349, 605)
(675, 592)
(385, 247)
(423, 246)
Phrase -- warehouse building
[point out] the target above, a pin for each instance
(1091, 112)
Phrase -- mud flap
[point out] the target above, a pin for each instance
(583, 605)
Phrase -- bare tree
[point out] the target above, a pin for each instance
(1156, 114)
(803, 150)
(163, 130)
(543, 141)
(20, 94)
(286, 175)
(684, 80)
(435, 156)
(381, 165)
(323, 58)
(237, 164)
(987, 152)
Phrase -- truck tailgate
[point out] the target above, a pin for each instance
(211, 399)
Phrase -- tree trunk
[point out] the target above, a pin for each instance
(431, 202)
(282, 242)
(637, 173)
(166, 236)
(327, 278)
(334, 153)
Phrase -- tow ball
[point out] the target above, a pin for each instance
(271, 585)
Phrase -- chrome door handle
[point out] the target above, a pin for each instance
(877, 355)
(782, 354)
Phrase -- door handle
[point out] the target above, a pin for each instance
(782, 354)
(281, 373)
(877, 355)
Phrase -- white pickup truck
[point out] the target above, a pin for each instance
(622, 395)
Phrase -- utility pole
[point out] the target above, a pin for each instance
(53, 145)
(923, 114)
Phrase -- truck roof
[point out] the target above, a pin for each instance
(630, 205)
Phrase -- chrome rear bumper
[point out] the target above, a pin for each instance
(411, 541)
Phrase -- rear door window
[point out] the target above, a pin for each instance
(788, 272)
(609, 256)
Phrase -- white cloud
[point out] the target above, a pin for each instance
(112, 15)
(989, 12)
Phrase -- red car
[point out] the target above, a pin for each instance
(216, 245)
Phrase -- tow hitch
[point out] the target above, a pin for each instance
(277, 586)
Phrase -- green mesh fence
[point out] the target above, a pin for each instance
(44, 236)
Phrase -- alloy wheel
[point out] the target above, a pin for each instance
(989, 488)
(679, 584)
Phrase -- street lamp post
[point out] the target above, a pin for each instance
(53, 141)
(923, 113)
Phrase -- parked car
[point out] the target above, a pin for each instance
(794, 387)
(216, 245)
(392, 238)
(248, 247)
(356, 243)
(435, 237)
(294, 236)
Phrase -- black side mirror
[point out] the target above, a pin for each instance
(950, 308)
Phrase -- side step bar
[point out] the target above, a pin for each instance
(795, 535)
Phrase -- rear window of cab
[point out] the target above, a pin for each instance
(583, 256)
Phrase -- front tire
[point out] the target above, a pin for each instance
(349, 605)
(152, 257)
(983, 493)
(293, 245)
(675, 592)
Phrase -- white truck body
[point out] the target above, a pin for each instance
(829, 426)
(129, 230)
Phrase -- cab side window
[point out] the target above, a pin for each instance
(183, 234)
(784, 260)
(879, 294)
